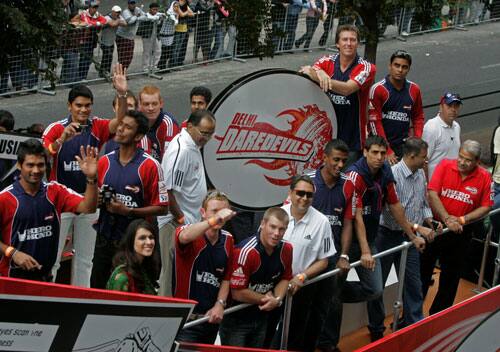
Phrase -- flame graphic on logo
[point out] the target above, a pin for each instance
(309, 123)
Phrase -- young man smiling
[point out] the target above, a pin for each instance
(346, 78)
(63, 139)
(31, 211)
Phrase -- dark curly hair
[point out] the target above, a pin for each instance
(126, 255)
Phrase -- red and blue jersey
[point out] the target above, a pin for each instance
(374, 191)
(137, 184)
(392, 112)
(351, 110)
(156, 141)
(200, 267)
(254, 269)
(336, 203)
(160, 135)
(31, 223)
(65, 168)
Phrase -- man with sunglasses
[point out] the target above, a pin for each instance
(310, 234)
(442, 133)
(184, 172)
(395, 109)
(372, 180)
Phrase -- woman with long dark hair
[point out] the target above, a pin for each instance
(136, 264)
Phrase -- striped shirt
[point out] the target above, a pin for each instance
(412, 193)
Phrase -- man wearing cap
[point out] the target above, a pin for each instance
(442, 133)
(108, 37)
(460, 193)
(125, 35)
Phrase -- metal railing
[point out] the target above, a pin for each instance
(86, 52)
(403, 248)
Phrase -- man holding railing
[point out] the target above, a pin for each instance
(310, 234)
(373, 181)
(411, 188)
(460, 193)
(262, 268)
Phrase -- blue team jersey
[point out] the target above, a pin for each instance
(200, 267)
(137, 184)
(336, 203)
(31, 223)
(254, 269)
(65, 168)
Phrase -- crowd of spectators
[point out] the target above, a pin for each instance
(165, 28)
(142, 218)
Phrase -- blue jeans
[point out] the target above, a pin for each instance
(412, 294)
(369, 287)
(244, 330)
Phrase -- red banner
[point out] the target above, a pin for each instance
(449, 329)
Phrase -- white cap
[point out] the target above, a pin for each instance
(116, 8)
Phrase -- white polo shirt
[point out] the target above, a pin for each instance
(184, 174)
(311, 238)
(443, 140)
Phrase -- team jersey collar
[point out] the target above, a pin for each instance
(19, 189)
(305, 219)
(454, 167)
(116, 155)
(389, 83)
(444, 124)
(321, 182)
(157, 121)
(353, 63)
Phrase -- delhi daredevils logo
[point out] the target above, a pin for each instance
(296, 150)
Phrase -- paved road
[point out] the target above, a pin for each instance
(467, 62)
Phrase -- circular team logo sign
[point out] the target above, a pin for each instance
(271, 125)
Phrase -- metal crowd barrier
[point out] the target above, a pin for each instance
(401, 279)
(294, 28)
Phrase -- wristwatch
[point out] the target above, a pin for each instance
(222, 303)
(280, 300)
(345, 256)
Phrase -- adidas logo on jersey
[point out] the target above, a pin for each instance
(308, 237)
(239, 272)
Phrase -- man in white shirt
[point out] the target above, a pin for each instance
(184, 175)
(310, 234)
(442, 133)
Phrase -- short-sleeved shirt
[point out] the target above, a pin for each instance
(160, 135)
(460, 197)
(137, 184)
(336, 203)
(31, 223)
(443, 141)
(351, 110)
(200, 267)
(374, 192)
(65, 168)
(392, 112)
(311, 238)
(258, 271)
(185, 176)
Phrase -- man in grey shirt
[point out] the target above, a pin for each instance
(411, 188)
(125, 35)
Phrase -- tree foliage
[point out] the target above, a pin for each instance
(252, 19)
(31, 30)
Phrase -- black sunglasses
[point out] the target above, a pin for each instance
(304, 194)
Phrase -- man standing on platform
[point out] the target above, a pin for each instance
(460, 192)
(346, 78)
(395, 109)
